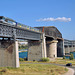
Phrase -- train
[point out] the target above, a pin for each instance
(17, 24)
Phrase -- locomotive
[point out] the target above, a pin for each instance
(16, 24)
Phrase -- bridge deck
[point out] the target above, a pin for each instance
(6, 30)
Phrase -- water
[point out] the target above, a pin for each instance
(23, 54)
(67, 57)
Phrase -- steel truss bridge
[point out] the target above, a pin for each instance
(9, 31)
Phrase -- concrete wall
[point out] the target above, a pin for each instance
(37, 49)
(9, 56)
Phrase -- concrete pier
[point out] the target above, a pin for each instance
(60, 48)
(9, 56)
(67, 50)
(52, 49)
(37, 50)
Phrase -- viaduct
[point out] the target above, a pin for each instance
(48, 43)
(69, 46)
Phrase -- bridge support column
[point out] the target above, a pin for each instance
(37, 50)
(63, 49)
(74, 48)
(9, 56)
(60, 48)
(16, 55)
(67, 50)
(71, 48)
(52, 49)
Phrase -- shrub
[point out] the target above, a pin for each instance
(25, 59)
(45, 59)
(63, 57)
(3, 70)
(21, 59)
(33, 60)
(71, 56)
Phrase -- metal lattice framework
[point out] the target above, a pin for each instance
(6, 30)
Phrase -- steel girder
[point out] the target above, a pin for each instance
(6, 30)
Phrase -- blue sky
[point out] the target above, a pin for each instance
(28, 11)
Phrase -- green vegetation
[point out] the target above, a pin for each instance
(45, 59)
(62, 61)
(21, 59)
(56, 61)
(23, 47)
(71, 56)
(63, 57)
(33, 69)
(25, 59)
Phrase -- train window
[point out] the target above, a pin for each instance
(9, 21)
(3, 19)
(19, 24)
(6, 20)
(0, 18)
(27, 27)
(14, 23)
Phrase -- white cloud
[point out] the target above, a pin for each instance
(61, 19)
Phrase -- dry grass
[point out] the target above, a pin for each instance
(34, 69)
(56, 61)
(63, 61)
